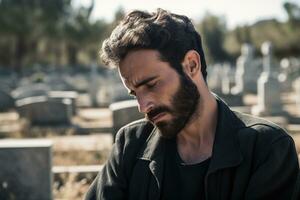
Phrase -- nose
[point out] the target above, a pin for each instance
(144, 104)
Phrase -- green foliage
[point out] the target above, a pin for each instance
(24, 23)
(212, 29)
(48, 32)
(285, 38)
(221, 44)
(55, 32)
(293, 12)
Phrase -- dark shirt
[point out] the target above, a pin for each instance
(182, 181)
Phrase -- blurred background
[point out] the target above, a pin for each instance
(60, 107)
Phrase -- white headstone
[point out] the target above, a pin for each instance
(6, 100)
(247, 71)
(214, 78)
(268, 96)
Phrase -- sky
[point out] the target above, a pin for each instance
(235, 12)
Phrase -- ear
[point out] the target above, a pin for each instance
(191, 63)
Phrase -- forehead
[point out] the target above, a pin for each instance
(141, 64)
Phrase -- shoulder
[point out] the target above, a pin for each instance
(259, 127)
(262, 136)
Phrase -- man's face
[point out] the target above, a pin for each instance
(167, 99)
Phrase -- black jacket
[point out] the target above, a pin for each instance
(252, 159)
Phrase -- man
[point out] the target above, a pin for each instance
(191, 145)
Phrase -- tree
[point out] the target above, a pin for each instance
(293, 12)
(212, 29)
(25, 22)
(82, 33)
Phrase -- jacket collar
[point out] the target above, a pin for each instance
(153, 147)
(154, 151)
(226, 149)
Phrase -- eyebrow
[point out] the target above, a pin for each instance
(145, 81)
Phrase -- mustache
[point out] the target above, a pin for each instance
(150, 115)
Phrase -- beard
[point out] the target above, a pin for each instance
(183, 105)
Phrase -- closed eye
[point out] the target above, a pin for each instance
(151, 84)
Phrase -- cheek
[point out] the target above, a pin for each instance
(166, 90)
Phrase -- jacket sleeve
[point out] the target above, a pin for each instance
(276, 174)
(110, 183)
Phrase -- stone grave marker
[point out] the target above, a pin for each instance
(95, 84)
(44, 111)
(57, 82)
(227, 80)
(79, 82)
(124, 112)
(290, 71)
(61, 95)
(6, 100)
(268, 96)
(247, 71)
(25, 169)
(30, 91)
(214, 78)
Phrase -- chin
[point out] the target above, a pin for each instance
(168, 130)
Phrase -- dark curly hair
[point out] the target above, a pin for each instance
(170, 34)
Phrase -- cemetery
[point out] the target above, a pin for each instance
(60, 108)
(59, 133)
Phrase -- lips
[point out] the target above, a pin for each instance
(155, 114)
(156, 118)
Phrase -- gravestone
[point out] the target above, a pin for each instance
(6, 101)
(44, 111)
(10, 81)
(110, 90)
(214, 78)
(61, 95)
(30, 90)
(268, 96)
(124, 112)
(57, 82)
(283, 77)
(95, 84)
(104, 95)
(290, 71)
(79, 82)
(25, 169)
(227, 81)
(247, 71)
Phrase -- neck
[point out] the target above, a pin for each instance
(195, 141)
